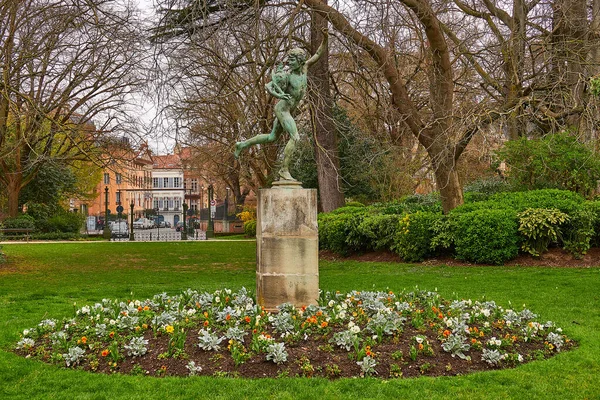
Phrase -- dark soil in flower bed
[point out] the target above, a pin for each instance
(311, 358)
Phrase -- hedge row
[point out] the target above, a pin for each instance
(491, 231)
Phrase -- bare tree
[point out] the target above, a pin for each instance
(68, 71)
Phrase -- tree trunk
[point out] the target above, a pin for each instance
(325, 136)
(448, 184)
(13, 188)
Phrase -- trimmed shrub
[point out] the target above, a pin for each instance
(250, 228)
(539, 227)
(563, 200)
(20, 222)
(63, 222)
(413, 238)
(56, 236)
(354, 204)
(379, 230)
(486, 236)
(483, 189)
(338, 230)
(581, 229)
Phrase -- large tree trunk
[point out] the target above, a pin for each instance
(13, 189)
(325, 135)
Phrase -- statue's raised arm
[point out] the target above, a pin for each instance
(315, 57)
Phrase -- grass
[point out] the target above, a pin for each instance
(44, 280)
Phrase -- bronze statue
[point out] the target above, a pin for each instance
(289, 87)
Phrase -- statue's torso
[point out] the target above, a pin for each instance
(296, 86)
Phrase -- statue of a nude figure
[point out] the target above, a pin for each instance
(289, 88)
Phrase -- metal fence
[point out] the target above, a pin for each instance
(166, 236)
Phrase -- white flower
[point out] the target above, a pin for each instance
(26, 332)
(486, 313)
(342, 314)
(419, 340)
(191, 311)
(112, 322)
(331, 303)
(85, 310)
(217, 299)
(448, 322)
(486, 324)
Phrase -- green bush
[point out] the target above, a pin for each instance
(539, 227)
(594, 208)
(581, 229)
(563, 200)
(55, 236)
(336, 227)
(553, 161)
(486, 236)
(62, 222)
(354, 204)
(250, 228)
(413, 238)
(483, 189)
(379, 230)
(20, 222)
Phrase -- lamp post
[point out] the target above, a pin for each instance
(157, 223)
(131, 234)
(201, 200)
(106, 231)
(226, 212)
(210, 229)
(184, 233)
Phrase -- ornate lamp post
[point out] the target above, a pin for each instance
(210, 229)
(184, 232)
(106, 231)
(131, 234)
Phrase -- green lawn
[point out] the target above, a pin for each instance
(44, 280)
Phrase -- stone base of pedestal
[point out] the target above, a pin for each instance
(287, 251)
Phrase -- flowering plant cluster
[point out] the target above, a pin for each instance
(368, 333)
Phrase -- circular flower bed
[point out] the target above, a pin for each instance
(384, 334)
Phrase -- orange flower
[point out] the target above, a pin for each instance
(105, 352)
(420, 346)
(228, 317)
(447, 333)
(140, 308)
(319, 313)
(146, 308)
(441, 316)
(112, 335)
(205, 314)
(83, 340)
(324, 324)
(145, 326)
(206, 323)
(473, 340)
(247, 319)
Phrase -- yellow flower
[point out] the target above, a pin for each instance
(169, 329)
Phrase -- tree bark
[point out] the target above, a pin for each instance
(443, 153)
(324, 130)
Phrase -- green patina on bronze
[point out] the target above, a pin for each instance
(289, 87)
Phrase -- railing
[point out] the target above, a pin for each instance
(166, 236)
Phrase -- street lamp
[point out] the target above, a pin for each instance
(157, 223)
(106, 231)
(131, 235)
(184, 233)
(210, 229)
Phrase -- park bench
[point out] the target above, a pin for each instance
(25, 231)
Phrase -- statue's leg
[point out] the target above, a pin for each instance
(258, 139)
(289, 125)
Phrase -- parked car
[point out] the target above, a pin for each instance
(119, 229)
(143, 223)
(167, 224)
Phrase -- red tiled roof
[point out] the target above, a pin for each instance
(166, 162)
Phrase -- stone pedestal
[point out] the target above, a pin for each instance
(287, 247)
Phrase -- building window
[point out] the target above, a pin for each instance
(118, 197)
(194, 185)
(166, 182)
(156, 182)
(177, 203)
(156, 204)
(118, 178)
(106, 178)
(176, 182)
